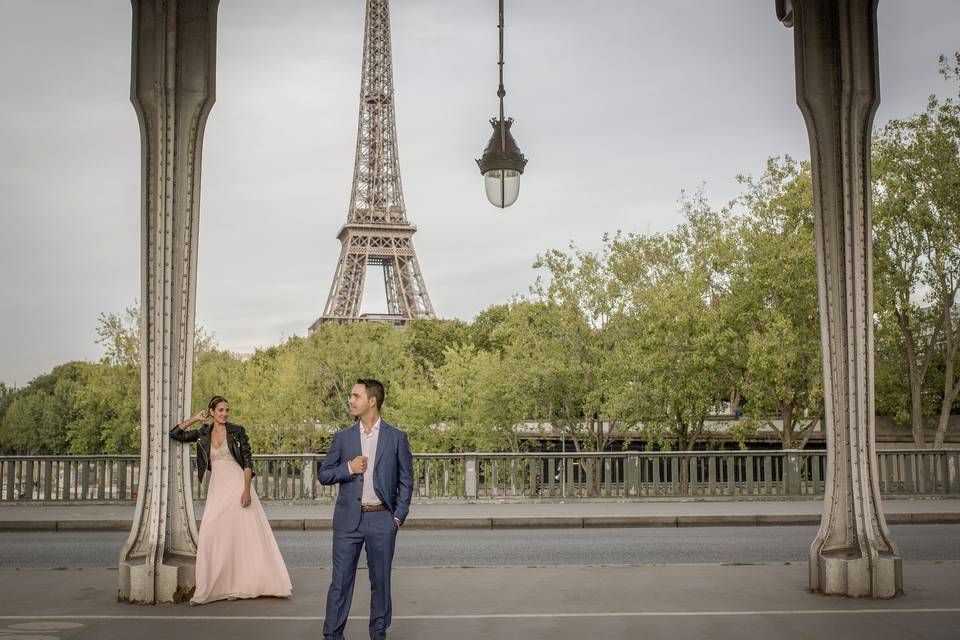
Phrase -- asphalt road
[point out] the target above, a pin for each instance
(522, 548)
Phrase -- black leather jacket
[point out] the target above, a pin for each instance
(237, 442)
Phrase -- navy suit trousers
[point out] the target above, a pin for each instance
(378, 533)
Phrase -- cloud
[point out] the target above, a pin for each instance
(618, 110)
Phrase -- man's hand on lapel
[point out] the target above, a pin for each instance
(358, 465)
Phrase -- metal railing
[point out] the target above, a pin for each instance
(503, 476)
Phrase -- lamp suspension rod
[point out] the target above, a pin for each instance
(501, 92)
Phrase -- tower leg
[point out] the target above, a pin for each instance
(172, 90)
(391, 282)
(838, 92)
(346, 292)
(414, 290)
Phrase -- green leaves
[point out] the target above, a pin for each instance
(774, 287)
(916, 173)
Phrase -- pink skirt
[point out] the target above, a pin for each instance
(237, 555)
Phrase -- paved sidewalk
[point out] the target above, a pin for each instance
(719, 602)
(575, 515)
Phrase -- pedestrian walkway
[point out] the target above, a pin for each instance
(576, 515)
(557, 603)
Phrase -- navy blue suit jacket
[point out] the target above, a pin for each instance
(392, 474)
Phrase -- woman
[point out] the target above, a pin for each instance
(237, 555)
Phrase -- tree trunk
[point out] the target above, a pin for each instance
(786, 435)
(949, 395)
(916, 382)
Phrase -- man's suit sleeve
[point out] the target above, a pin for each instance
(404, 478)
(333, 470)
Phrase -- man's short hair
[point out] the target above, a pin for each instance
(374, 388)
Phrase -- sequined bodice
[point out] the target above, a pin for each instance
(220, 453)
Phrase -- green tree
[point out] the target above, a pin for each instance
(552, 354)
(215, 373)
(293, 396)
(576, 312)
(6, 397)
(119, 335)
(680, 355)
(429, 339)
(774, 288)
(916, 169)
(36, 420)
(108, 416)
(484, 330)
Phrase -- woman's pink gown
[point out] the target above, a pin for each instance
(237, 555)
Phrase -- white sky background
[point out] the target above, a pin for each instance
(619, 105)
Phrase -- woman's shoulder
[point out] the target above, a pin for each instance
(234, 427)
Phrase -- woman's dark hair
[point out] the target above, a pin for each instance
(215, 401)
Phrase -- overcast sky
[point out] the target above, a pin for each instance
(619, 105)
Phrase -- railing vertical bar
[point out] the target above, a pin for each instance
(427, 467)
(47, 479)
(767, 474)
(674, 476)
(945, 472)
(730, 476)
(655, 464)
(815, 461)
(28, 484)
(10, 473)
(692, 480)
(908, 474)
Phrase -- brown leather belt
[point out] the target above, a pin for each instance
(366, 508)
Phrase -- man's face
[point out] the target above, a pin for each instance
(359, 400)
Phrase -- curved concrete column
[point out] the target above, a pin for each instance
(838, 93)
(172, 90)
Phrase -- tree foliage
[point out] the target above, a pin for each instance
(916, 171)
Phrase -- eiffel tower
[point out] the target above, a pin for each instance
(377, 231)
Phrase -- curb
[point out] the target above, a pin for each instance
(546, 522)
(717, 521)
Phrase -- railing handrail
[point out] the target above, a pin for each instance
(70, 456)
(759, 473)
(508, 454)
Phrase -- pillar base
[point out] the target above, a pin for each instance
(850, 574)
(176, 582)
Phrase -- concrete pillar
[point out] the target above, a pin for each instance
(308, 466)
(838, 91)
(631, 474)
(791, 471)
(172, 90)
(470, 483)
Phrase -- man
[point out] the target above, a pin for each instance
(372, 463)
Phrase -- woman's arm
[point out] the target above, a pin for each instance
(246, 454)
(180, 433)
(245, 496)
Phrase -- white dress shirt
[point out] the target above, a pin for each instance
(368, 447)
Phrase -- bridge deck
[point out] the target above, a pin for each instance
(559, 603)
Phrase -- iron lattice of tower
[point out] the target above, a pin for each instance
(377, 231)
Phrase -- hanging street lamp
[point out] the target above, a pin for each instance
(502, 162)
